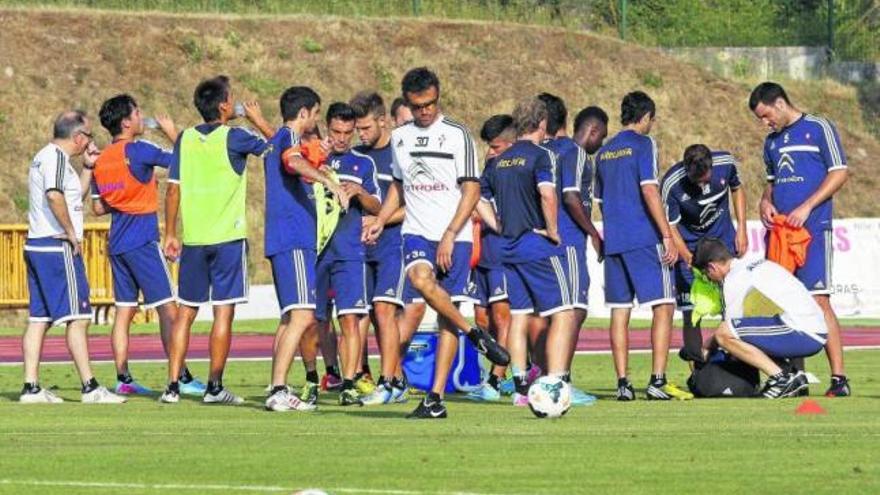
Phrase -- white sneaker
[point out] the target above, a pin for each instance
(283, 401)
(225, 397)
(102, 396)
(169, 397)
(44, 396)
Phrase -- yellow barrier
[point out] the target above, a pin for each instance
(13, 271)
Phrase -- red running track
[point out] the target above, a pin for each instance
(260, 346)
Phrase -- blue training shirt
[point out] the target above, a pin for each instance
(290, 218)
(345, 244)
(626, 163)
(702, 211)
(575, 174)
(512, 180)
(798, 158)
(131, 231)
(241, 142)
(389, 242)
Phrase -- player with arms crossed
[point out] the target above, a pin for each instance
(434, 168)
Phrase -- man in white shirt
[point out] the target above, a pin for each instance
(59, 291)
(768, 313)
(435, 175)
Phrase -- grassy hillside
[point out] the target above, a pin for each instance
(53, 60)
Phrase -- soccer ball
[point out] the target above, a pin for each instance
(549, 397)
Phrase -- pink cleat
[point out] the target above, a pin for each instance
(534, 373)
(520, 400)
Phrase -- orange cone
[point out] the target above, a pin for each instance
(809, 406)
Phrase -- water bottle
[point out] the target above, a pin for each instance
(151, 123)
(239, 109)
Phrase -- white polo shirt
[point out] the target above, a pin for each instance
(432, 162)
(752, 286)
(51, 170)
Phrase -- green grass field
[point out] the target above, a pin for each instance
(269, 326)
(722, 446)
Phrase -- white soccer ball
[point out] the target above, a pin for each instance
(549, 397)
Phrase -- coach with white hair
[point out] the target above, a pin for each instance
(59, 291)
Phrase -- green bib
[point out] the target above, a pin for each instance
(212, 195)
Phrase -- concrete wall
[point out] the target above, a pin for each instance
(794, 62)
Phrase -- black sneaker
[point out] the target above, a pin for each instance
(350, 397)
(839, 387)
(428, 409)
(784, 385)
(488, 347)
(625, 392)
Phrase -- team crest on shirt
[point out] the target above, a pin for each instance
(785, 138)
(807, 136)
(441, 139)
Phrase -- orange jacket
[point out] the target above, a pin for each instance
(788, 245)
(119, 188)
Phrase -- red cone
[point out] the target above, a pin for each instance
(809, 406)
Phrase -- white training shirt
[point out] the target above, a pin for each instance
(749, 282)
(51, 169)
(431, 162)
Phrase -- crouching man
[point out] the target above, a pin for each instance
(768, 314)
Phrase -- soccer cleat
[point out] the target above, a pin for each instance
(533, 373)
(223, 397)
(487, 346)
(625, 392)
(133, 388)
(365, 385)
(169, 397)
(839, 387)
(309, 393)
(44, 396)
(350, 398)
(330, 382)
(506, 386)
(193, 387)
(101, 395)
(283, 401)
(398, 395)
(380, 395)
(520, 400)
(786, 385)
(485, 393)
(428, 409)
(667, 391)
(581, 398)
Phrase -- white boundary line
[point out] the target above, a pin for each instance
(372, 356)
(227, 488)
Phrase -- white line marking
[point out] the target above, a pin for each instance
(371, 356)
(233, 488)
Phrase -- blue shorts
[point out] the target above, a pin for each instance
(216, 273)
(385, 280)
(57, 285)
(776, 338)
(488, 285)
(293, 272)
(816, 272)
(638, 274)
(347, 282)
(578, 277)
(142, 270)
(417, 249)
(538, 286)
